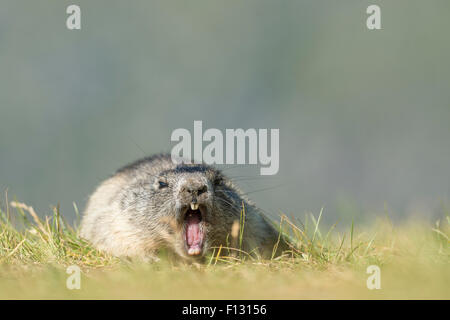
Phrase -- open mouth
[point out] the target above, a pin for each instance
(194, 230)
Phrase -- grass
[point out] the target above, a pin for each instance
(323, 264)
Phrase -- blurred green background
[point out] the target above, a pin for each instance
(364, 116)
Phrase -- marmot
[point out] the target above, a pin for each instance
(154, 203)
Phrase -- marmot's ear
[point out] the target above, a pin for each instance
(218, 179)
(215, 177)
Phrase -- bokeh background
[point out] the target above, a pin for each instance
(364, 116)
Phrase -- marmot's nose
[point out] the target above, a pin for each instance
(194, 188)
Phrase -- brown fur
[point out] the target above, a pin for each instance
(138, 211)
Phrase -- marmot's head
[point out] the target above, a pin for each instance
(199, 204)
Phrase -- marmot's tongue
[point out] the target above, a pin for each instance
(194, 236)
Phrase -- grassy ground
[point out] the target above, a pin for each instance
(325, 264)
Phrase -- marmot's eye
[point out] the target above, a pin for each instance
(162, 184)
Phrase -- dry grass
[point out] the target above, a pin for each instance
(324, 264)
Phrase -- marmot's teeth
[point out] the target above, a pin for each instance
(194, 206)
(194, 251)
